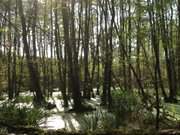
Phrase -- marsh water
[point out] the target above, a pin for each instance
(61, 118)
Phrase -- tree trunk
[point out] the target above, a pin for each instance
(72, 62)
(34, 74)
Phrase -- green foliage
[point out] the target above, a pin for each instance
(24, 99)
(3, 131)
(99, 120)
(34, 115)
(148, 118)
(4, 29)
(173, 110)
(13, 115)
(124, 104)
(2, 97)
(90, 122)
(108, 121)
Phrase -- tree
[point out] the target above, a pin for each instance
(178, 45)
(86, 50)
(69, 41)
(61, 70)
(169, 55)
(34, 74)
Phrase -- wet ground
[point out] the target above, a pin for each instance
(61, 119)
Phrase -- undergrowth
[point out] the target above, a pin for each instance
(14, 115)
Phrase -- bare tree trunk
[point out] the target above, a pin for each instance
(34, 74)
(86, 51)
(72, 63)
(61, 75)
(14, 74)
(107, 78)
(178, 47)
(169, 56)
(129, 48)
(10, 88)
(155, 46)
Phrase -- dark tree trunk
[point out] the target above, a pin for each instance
(86, 51)
(155, 46)
(72, 61)
(169, 57)
(178, 47)
(62, 77)
(10, 88)
(34, 74)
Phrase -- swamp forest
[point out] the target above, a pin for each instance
(90, 67)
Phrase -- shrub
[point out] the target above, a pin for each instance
(24, 99)
(3, 131)
(148, 118)
(2, 98)
(14, 115)
(99, 120)
(124, 104)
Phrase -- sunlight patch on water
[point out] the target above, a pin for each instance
(173, 110)
(26, 93)
(53, 122)
(59, 103)
(56, 122)
(22, 105)
(59, 119)
(71, 124)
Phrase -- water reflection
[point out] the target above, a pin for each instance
(60, 119)
(53, 122)
(64, 121)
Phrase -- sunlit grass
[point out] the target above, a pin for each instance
(13, 115)
(24, 99)
(173, 110)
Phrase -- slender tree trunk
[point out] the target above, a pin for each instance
(14, 74)
(155, 46)
(178, 47)
(129, 49)
(72, 64)
(34, 74)
(170, 67)
(51, 51)
(62, 78)
(10, 88)
(138, 40)
(86, 51)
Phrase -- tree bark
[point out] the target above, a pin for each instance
(34, 74)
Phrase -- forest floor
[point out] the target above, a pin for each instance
(62, 118)
(60, 121)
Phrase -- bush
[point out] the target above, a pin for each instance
(24, 99)
(108, 121)
(124, 105)
(14, 115)
(2, 98)
(148, 118)
(99, 120)
(3, 131)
